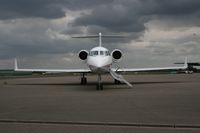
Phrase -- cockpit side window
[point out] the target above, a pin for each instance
(107, 53)
(93, 53)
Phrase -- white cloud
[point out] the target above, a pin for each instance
(161, 47)
(56, 35)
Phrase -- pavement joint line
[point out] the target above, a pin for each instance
(118, 124)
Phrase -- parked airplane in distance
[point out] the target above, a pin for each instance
(190, 68)
(99, 61)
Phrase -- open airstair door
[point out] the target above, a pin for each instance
(120, 78)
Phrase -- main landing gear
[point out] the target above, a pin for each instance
(83, 79)
(99, 85)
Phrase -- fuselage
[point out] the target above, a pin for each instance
(99, 60)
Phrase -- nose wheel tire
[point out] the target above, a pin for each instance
(100, 87)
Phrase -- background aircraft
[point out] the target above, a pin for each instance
(100, 61)
(191, 67)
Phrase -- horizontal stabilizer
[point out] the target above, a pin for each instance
(104, 36)
(100, 36)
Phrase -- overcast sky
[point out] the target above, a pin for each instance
(38, 32)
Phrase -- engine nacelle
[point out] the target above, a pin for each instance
(116, 55)
(83, 54)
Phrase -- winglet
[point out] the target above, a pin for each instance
(15, 64)
(186, 63)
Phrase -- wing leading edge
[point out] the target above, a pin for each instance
(51, 70)
(152, 69)
(88, 70)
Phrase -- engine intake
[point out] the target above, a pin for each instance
(83, 54)
(116, 54)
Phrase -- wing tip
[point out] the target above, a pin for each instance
(186, 62)
(15, 65)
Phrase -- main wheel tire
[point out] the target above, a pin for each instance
(84, 81)
(117, 81)
(101, 86)
(97, 87)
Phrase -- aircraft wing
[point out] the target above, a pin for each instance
(152, 69)
(52, 70)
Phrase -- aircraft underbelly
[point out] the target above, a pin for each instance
(100, 70)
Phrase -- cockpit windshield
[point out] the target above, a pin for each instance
(93, 53)
(101, 52)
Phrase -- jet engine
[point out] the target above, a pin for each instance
(116, 55)
(83, 54)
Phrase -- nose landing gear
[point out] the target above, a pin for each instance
(99, 85)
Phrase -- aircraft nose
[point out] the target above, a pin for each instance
(99, 64)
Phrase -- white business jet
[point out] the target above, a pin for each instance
(99, 61)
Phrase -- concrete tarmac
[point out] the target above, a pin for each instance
(156, 103)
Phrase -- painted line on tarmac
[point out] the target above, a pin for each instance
(85, 123)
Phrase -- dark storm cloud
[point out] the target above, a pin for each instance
(113, 15)
(22, 38)
(130, 16)
(11, 9)
(177, 7)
